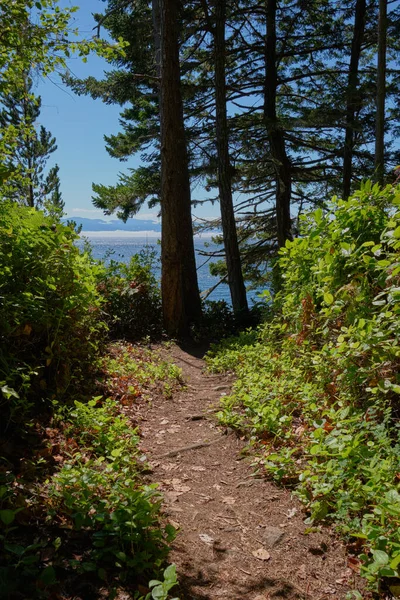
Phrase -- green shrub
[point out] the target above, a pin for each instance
(319, 386)
(98, 492)
(132, 308)
(218, 320)
(49, 310)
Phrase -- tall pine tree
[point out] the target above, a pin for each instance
(30, 150)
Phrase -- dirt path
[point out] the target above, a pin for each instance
(240, 537)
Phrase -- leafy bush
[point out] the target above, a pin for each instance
(218, 320)
(91, 518)
(49, 310)
(320, 385)
(132, 308)
(97, 491)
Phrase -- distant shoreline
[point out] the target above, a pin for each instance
(153, 235)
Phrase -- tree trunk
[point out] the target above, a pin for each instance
(275, 133)
(155, 14)
(232, 254)
(353, 96)
(381, 94)
(179, 288)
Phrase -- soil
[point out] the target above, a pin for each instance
(240, 536)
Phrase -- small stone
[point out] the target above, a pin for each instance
(272, 536)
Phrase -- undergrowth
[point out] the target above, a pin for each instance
(81, 516)
(318, 386)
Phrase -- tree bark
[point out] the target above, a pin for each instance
(353, 96)
(232, 253)
(179, 288)
(276, 138)
(381, 94)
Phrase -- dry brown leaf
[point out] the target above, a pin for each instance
(261, 554)
(353, 563)
(178, 487)
(228, 500)
(207, 539)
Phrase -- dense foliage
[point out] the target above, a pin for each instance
(50, 329)
(70, 474)
(318, 386)
(132, 302)
(74, 514)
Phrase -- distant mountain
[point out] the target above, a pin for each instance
(114, 225)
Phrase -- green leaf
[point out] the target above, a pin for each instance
(48, 576)
(328, 298)
(9, 392)
(380, 557)
(158, 593)
(170, 573)
(7, 516)
(395, 562)
(121, 555)
(15, 549)
(318, 214)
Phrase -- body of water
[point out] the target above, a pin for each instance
(122, 248)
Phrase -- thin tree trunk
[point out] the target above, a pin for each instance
(31, 200)
(179, 288)
(232, 253)
(353, 97)
(381, 94)
(275, 133)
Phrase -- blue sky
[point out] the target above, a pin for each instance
(79, 125)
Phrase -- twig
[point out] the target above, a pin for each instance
(191, 447)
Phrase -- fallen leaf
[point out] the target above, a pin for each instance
(164, 422)
(172, 496)
(207, 539)
(261, 554)
(169, 467)
(228, 500)
(353, 563)
(174, 429)
(27, 329)
(174, 524)
(178, 487)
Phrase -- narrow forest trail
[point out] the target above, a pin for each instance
(240, 537)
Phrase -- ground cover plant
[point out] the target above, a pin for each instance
(77, 517)
(318, 386)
